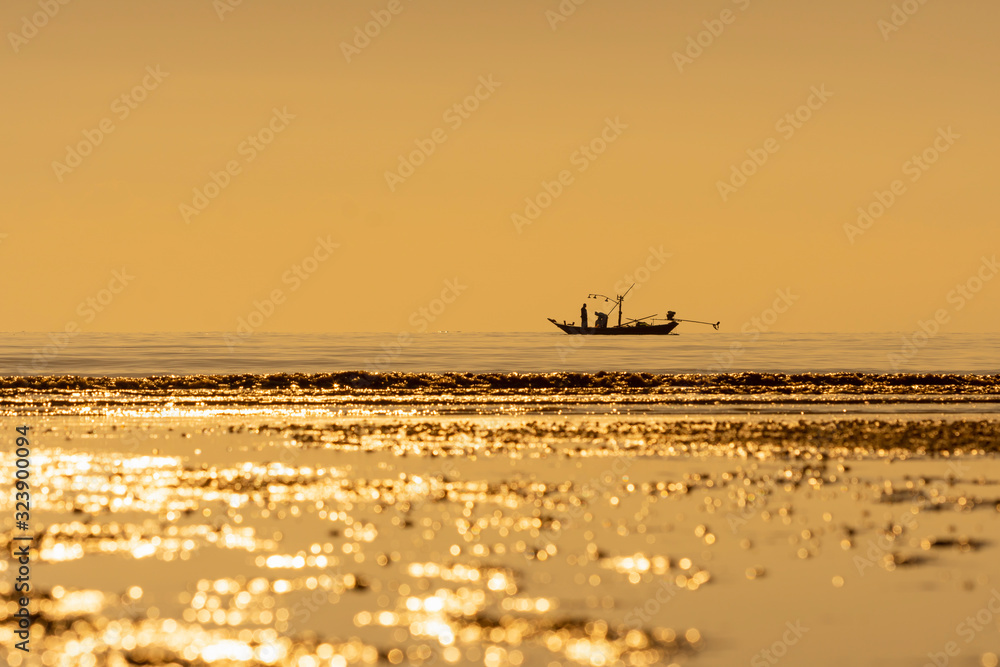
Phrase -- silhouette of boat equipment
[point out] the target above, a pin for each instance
(645, 326)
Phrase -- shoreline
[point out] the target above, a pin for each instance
(556, 382)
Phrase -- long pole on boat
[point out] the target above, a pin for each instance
(618, 302)
(621, 298)
(641, 319)
(711, 324)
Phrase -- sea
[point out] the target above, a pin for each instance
(141, 354)
(501, 499)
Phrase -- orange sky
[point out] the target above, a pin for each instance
(622, 130)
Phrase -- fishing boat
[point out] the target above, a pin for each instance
(653, 325)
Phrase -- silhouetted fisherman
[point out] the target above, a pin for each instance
(583, 316)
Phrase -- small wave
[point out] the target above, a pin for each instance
(350, 382)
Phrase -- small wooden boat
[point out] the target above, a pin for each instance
(645, 326)
(634, 329)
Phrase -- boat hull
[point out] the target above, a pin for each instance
(634, 330)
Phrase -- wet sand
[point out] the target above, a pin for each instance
(817, 521)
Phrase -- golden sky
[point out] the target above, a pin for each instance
(177, 165)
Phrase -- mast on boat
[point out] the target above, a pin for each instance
(638, 326)
(619, 298)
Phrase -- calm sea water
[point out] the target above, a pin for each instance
(197, 353)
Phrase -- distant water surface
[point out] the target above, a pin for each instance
(197, 353)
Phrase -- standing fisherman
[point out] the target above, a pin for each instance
(583, 316)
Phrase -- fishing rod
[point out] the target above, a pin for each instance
(641, 319)
(621, 298)
(711, 324)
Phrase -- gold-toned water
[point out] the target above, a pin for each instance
(284, 533)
